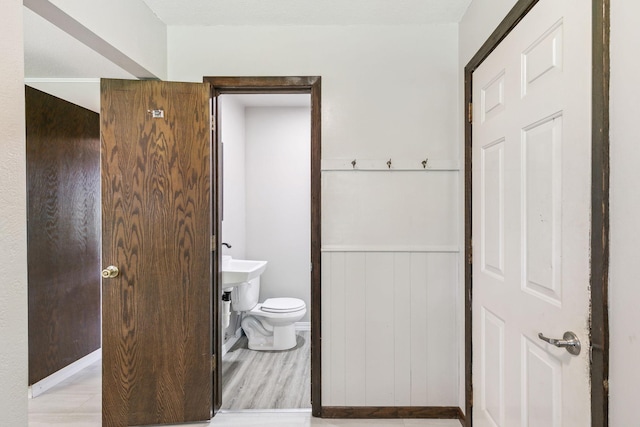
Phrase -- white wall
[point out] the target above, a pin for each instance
(13, 248)
(624, 292)
(388, 92)
(278, 158)
(234, 181)
(479, 21)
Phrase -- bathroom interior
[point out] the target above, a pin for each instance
(266, 217)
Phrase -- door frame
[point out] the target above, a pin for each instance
(276, 85)
(599, 245)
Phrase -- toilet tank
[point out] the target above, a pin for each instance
(245, 296)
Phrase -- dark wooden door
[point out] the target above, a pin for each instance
(63, 232)
(156, 229)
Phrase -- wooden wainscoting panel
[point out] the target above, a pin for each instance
(402, 328)
(442, 331)
(326, 326)
(419, 349)
(355, 350)
(338, 333)
(379, 360)
(391, 330)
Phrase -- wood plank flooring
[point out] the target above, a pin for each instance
(267, 379)
(76, 402)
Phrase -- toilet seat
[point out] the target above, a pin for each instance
(282, 305)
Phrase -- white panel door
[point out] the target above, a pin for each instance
(531, 221)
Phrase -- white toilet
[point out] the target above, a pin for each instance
(271, 324)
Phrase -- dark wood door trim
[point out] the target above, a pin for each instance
(216, 258)
(599, 202)
(383, 412)
(279, 85)
(600, 214)
(304, 84)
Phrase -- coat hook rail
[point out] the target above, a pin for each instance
(424, 164)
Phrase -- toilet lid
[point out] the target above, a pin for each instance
(282, 305)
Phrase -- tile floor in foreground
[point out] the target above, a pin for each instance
(76, 402)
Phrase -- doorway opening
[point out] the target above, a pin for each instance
(265, 216)
(264, 175)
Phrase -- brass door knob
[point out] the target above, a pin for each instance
(110, 272)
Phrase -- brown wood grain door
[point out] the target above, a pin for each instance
(156, 228)
(63, 232)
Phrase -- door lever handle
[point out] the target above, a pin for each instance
(569, 341)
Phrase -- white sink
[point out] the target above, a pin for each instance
(237, 271)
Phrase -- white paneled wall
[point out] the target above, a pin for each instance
(390, 288)
(389, 328)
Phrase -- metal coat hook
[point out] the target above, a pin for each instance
(389, 164)
(424, 163)
(353, 163)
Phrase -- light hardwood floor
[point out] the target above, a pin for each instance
(77, 402)
(267, 379)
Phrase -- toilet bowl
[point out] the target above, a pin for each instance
(269, 325)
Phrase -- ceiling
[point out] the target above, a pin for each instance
(308, 12)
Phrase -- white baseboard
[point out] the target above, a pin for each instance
(303, 326)
(57, 377)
